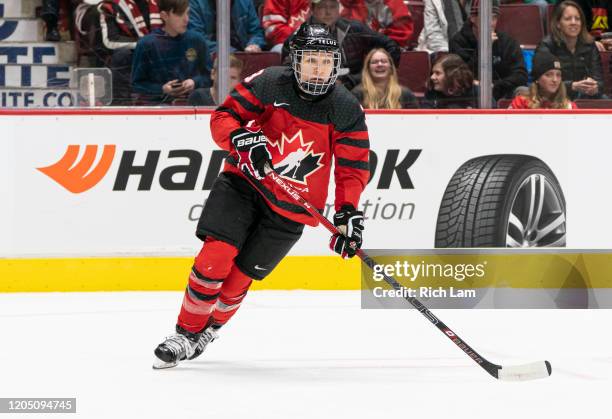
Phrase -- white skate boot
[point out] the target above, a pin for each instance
(181, 346)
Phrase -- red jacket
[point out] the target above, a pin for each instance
(392, 18)
(283, 17)
(521, 102)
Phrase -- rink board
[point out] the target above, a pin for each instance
(144, 175)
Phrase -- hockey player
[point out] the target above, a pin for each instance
(294, 119)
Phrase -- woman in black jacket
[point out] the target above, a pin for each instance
(575, 48)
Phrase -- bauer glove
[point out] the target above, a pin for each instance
(252, 147)
(349, 220)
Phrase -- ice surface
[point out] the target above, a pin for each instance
(300, 354)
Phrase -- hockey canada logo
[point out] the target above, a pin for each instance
(296, 160)
(80, 176)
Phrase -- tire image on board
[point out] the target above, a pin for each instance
(502, 201)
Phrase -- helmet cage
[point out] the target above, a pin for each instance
(315, 88)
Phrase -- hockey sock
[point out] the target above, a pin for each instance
(212, 265)
(233, 291)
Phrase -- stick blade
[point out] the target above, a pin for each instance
(525, 372)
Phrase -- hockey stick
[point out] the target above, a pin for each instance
(524, 372)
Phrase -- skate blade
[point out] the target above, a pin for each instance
(158, 364)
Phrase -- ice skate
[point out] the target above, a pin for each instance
(206, 337)
(181, 346)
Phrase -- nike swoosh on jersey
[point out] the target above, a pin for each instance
(259, 268)
(279, 104)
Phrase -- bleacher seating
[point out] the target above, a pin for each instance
(523, 22)
(594, 103)
(580, 103)
(413, 71)
(255, 61)
(417, 8)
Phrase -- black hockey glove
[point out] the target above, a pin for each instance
(252, 147)
(350, 220)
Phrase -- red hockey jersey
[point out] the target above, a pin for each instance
(304, 137)
(282, 17)
(389, 17)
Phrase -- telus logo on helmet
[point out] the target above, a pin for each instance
(322, 41)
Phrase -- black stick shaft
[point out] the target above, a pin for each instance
(491, 368)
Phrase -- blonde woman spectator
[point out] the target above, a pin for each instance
(547, 91)
(379, 88)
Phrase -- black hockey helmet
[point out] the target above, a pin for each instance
(314, 41)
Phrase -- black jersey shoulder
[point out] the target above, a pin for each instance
(265, 83)
(275, 87)
(346, 111)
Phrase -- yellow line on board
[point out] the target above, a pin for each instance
(534, 271)
(164, 273)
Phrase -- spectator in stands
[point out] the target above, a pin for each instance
(111, 29)
(575, 48)
(355, 40)
(451, 85)
(389, 17)
(50, 15)
(172, 61)
(281, 18)
(117, 24)
(547, 91)
(208, 96)
(509, 70)
(379, 88)
(442, 20)
(246, 33)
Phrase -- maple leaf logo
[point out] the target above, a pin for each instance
(293, 158)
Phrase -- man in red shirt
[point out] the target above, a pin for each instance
(297, 120)
(389, 17)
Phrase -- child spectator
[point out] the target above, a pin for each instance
(442, 20)
(575, 48)
(547, 91)
(281, 18)
(509, 70)
(355, 39)
(379, 88)
(172, 61)
(246, 33)
(208, 96)
(451, 85)
(389, 17)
